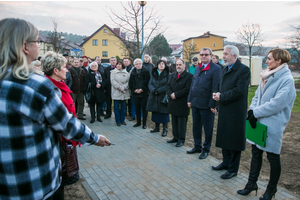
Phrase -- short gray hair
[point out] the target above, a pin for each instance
(94, 63)
(112, 58)
(137, 60)
(181, 60)
(233, 50)
(206, 49)
(52, 60)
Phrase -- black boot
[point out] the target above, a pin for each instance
(248, 188)
(156, 129)
(269, 193)
(165, 130)
(92, 111)
(99, 112)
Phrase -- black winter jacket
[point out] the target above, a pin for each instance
(157, 87)
(139, 81)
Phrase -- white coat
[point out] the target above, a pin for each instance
(118, 80)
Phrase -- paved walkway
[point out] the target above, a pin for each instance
(143, 166)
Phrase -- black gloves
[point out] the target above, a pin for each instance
(252, 119)
(155, 92)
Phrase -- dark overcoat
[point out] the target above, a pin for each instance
(139, 81)
(99, 94)
(181, 87)
(233, 87)
(107, 78)
(158, 83)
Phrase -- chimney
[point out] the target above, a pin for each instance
(117, 31)
(208, 32)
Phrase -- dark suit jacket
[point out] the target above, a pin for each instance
(181, 87)
(233, 104)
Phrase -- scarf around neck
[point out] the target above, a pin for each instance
(265, 75)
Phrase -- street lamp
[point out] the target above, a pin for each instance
(61, 39)
(142, 3)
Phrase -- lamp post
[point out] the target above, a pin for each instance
(61, 39)
(142, 3)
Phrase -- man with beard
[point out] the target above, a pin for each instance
(178, 89)
(147, 63)
(232, 94)
(113, 62)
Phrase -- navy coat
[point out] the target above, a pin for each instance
(204, 83)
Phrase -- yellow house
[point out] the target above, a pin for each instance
(192, 45)
(105, 43)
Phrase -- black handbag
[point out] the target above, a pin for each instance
(165, 100)
(89, 94)
(69, 159)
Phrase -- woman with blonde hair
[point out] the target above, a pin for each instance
(271, 106)
(30, 165)
(36, 67)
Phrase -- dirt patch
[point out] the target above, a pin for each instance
(290, 156)
(76, 191)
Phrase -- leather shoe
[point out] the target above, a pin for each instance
(99, 119)
(82, 118)
(179, 144)
(106, 117)
(123, 123)
(102, 114)
(219, 167)
(92, 121)
(132, 119)
(228, 175)
(203, 155)
(172, 141)
(144, 126)
(194, 150)
(137, 124)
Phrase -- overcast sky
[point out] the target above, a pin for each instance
(184, 19)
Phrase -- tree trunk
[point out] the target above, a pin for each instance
(250, 47)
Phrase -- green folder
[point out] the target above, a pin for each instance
(257, 135)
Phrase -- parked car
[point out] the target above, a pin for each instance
(105, 64)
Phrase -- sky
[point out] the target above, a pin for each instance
(181, 19)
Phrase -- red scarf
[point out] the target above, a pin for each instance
(206, 68)
(66, 99)
(85, 64)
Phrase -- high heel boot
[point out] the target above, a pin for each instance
(156, 129)
(165, 130)
(248, 188)
(268, 195)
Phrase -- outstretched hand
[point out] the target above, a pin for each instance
(103, 141)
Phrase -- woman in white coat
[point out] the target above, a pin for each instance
(119, 79)
(271, 106)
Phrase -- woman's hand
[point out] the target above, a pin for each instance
(98, 85)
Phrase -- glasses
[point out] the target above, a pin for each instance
(38, 42)
(204, 55)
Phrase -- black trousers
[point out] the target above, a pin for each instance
(231, 159)
(179, 127)
(141, 103)
(58, 194)
(129, 106)
(108, 104)
(256, 163)
(92, 109)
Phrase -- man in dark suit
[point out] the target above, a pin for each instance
(178, 90)
(78, 77)
(215, 59)
(113, 62)
(232, 95)
(205, 81)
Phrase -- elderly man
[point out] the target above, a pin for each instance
(232, 95)
(113, 62)
(195, 64)
(127, 61)
(215, 59)
(78, 77)
(205, 81)
(178, 90)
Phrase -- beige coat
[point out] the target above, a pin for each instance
(119, 80)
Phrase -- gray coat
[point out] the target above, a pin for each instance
(272, 107)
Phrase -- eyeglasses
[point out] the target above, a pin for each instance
(204, 55)
(38, 42)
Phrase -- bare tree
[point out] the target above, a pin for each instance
(250, 35)
(130, 22)
(294, 43)
(55, 36)
(188, 51)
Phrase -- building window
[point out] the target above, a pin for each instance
(104, 54)
(104, 42)
(48, 48)
(105, 31)
(214, 44)
(95, 42)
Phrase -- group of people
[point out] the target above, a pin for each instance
(39, 109)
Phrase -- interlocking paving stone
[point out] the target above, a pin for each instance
(143, 166)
